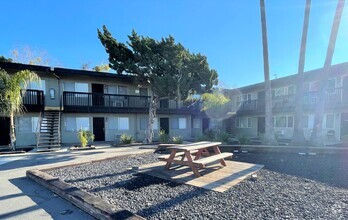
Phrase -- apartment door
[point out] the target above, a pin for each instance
(344, 124)
(5, 131)
(261, 125)
(345, 89)
(98, 96)
(205, 124)
(164, 124)
(261, 101)
(99, 129)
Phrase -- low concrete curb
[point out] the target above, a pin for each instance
(91, 204)
(284, 149)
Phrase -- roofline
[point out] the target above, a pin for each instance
(290, 77)
(63, 71)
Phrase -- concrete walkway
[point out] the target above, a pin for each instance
(21, 198)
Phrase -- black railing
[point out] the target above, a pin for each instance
(335, 97)
(104, 103)
(33, 100)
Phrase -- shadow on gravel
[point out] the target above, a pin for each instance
(329, 169)
(137, 182)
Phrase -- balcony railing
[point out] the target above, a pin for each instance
(335, 97)
(33, 100)
(111, 103)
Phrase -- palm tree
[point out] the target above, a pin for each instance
(317, 136)
(11, 96)
(298, 136)
(269, 133)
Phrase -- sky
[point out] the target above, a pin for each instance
(228, 32)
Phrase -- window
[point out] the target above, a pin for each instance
(291, 90)
(37, 86)
(143, 92)
(196, 123)
(331, 85)
(118, 123)
(113, 123)
(82, 123)
(246, 97)
(81, 87)
(280, 121)
(75, 87)
(314, 86)
(70, 124)
(123, 123)
(330, 120)
(76, 123)
(145, 121)
(122, 90)
(69, 86)
(112, 90)
(305, 121)
(174, 124)
(27, 124)
(290, 122)
(182, 123)
(278, 92)
(243, 122)
(283, 121)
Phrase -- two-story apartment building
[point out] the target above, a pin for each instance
(108, 104)
(249, 101)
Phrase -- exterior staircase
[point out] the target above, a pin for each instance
(48, 135)
(231, 126)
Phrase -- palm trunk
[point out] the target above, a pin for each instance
(317, 134)
(269, 133)
(298, 136)
(152, 116)
(12, 132)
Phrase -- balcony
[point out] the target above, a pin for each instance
(81, 102)
(334, 98)
(33, 100)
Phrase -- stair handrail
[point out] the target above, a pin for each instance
(59, 137)
(38, 128)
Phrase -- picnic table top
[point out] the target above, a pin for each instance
(195, 146)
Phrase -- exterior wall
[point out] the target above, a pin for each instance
(251, 131)
(52, 83)
(25, 138)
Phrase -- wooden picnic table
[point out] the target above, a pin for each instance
(182, 155)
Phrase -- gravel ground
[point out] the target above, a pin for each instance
(289, 187)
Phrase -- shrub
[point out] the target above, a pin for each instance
(126, 139)
(163, 137)
(222, 136)
(85, 137)
(177, 140)
(243, 140)
(201, 138)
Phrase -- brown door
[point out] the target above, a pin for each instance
(99, 129)
(5, 131)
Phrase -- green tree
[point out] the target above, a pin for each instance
(166, 67)
(4, 59)
(10, 95)
(317, 136)
(298, 136)
(269, 132)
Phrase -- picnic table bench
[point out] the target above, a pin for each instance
(182, 155)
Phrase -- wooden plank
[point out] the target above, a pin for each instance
(166, 156)
(202, 162)
(195, 146)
